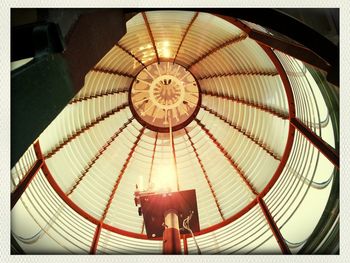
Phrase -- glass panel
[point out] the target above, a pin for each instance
(22, 167)
(50, 225)
(168, 28)
(112, 243)
(216, 32)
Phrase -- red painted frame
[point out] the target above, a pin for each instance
(254, 202)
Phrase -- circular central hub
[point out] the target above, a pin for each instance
(164, 95)
(167, 92)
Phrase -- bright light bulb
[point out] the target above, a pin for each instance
(164, 179)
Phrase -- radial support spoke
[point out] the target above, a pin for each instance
(96, 238)
(121, 173)
(248, 103)
(130, 54)
(214, 49)
(58, 189)
(113, 72)
(150, 35)
(185, 34)
(241, 73)
(85, 128)
(320, 144)
(152, 162)
(98, 155)
(290, 48)
(55, 186)
(25, 182)
(110, 93)
(228, 157)
(205, 175)
(115, 187)
(261, 145)
(184, 238)
(272, 224)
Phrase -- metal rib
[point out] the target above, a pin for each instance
(261, 145)
(185, 34)
(85, 128)
(98, 155)
(98, 95)
(205, 175)
(130, 54)
(227, 156)
(113, 72)
(248, 103)
(241, 73)
(120, 176)
(214, 49)
(150, 35)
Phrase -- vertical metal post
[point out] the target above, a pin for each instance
(185, 245)
(275, 230)
(320, 144)
(94, 244)
(22, 186)
(171, 234)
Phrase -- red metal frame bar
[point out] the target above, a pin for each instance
(98, 155)
(150, 34)
(96, 238)
(248, 207)
(184, 238)
(261, 145)
(227, 221)
(24, 183)
(113, 72)
(320, 144)
(248, 103)
(274, 228)
(214, 49)
(185, 34)
(238, 73)
(284, 78)
(282, 164)
(205, 175)
(293, 49)
(120, 176)
(274, 60)
(126, 233)
(235, 22)
(130, 54)
(95, 221)
(76, 100)
(87, 127)
(228, 157)
(58, 189)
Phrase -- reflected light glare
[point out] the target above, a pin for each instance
(166, 53)
(165, 48)
(164, 179)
